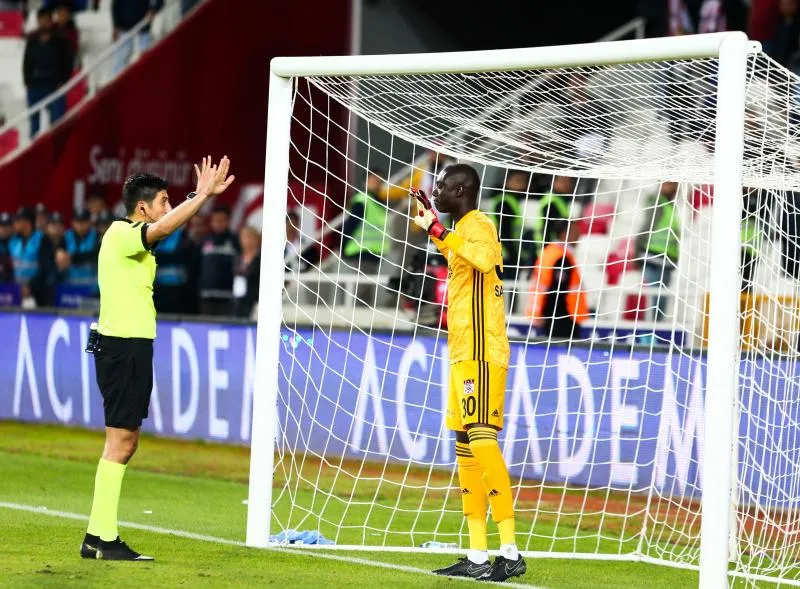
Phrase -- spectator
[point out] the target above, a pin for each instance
(96, 204)
(32, 256)
(42, 216)
(198, 229)
(65, 25)
(292, 233)
(47, 65)
(558, 303)
(247, 273)
(6, 265)
(83, 245)
(196, 232)
(506, 211)
(297, 259)
(125, 15)
(753, 213)
(553, 206)
(784, 45)
(658, 243)
(103, 221)
(55, 233)
(686, 17)
(218, 253)
(364, 231)
(170, 288)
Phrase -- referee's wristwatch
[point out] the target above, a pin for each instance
(192, 194)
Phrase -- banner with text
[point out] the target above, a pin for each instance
(168, 110)
(576, 415)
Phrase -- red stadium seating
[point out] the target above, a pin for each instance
(11, 24)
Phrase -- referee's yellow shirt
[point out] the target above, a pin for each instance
(126, 269)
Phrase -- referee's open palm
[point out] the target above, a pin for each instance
(213, 180)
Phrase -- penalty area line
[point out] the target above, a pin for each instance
(41, 510)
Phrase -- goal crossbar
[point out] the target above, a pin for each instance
(586, 54)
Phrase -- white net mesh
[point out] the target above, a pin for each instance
(604, 421)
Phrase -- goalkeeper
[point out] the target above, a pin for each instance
(479, 354)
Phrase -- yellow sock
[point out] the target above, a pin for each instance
(477, 533)
(483, 445)
(107, 486)
(473, 496)
(506, 529)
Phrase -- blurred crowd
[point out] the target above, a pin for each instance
(53, 55)
(775, 23)
(203, 268)
(542, 221)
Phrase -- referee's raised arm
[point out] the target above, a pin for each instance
(211, 181)
(122, 340)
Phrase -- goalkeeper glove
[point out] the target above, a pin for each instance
(426, 217)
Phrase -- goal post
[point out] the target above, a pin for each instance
(723, 337)
(265, 387)
(335, 359)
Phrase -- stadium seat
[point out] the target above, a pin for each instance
(11, 24)
(596, 218)
(590, 255)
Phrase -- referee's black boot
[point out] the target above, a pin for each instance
(89, 546)
(118, 550)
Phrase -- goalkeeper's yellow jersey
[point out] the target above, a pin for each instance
(476, 316)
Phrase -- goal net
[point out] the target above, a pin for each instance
(606, 427)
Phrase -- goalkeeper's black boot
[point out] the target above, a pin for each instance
(89, 546)
(503, 569)
(118, 550)
(465, 568)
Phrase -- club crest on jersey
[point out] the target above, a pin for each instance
(469, 386)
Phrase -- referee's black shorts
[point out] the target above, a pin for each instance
(124, 368)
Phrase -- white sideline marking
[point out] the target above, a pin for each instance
(41, 510)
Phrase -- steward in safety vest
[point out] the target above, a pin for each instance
(32, 255)
(365, 229)
(551, 208)
(751, 235)
(505, 209)
(660, 234)
(558, 304)
(82, 245)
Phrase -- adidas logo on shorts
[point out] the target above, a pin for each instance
(465, 491)
(494, 493)
(495, 413)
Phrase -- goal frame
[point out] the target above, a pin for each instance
(731, 49)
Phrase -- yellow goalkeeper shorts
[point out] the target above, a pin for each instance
(477, 394)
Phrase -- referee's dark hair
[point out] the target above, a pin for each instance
(141, 187)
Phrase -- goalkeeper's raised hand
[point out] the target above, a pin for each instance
(426, 217)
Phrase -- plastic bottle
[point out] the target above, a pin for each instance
(432, 544)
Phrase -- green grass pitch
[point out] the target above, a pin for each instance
(199, 488)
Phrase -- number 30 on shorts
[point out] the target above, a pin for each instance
(468, 405)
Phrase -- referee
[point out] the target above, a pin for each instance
(123, 350)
